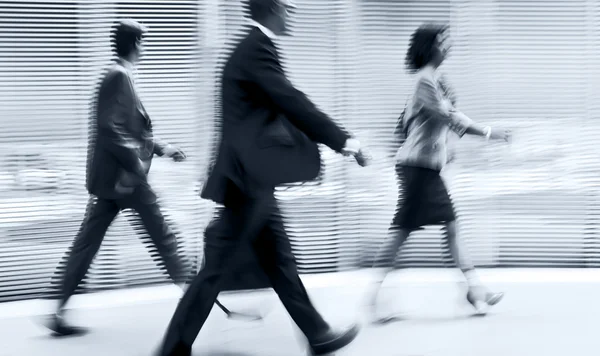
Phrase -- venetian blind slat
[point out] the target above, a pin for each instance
(525, 65)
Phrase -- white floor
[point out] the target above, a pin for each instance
(545, 312)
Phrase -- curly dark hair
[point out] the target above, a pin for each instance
(125, 35)
(422, 46)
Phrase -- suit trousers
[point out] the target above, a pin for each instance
(99, 215)
(256, 222)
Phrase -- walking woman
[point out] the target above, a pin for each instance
(427, 120)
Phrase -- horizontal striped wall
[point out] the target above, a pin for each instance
(524, 65)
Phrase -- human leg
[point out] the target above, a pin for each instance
(274, 253)
(99, 215)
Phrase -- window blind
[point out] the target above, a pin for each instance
(43, 119)
(517, 64)
(531, 198)
(51, 66)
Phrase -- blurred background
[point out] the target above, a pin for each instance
(526, 65)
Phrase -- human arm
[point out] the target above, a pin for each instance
(163, 148)
(113, 123)
(488, 132)
(440, 108)
(265, 70)
(160, 146)
(448, 90)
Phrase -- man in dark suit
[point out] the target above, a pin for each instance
(120, 154)
(269, 132)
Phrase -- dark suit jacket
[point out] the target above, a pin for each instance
(121, 140)
(269, 129)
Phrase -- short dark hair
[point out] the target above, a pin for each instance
(261, 9)
(125, 36)
(422, 46)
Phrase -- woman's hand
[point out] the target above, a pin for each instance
(500, 134)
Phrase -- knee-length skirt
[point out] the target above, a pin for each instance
(423, 198)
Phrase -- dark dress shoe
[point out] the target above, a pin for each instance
(60, 328)
(332, 341)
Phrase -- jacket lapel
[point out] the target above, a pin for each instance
(139, 105)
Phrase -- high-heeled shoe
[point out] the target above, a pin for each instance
(483, 303)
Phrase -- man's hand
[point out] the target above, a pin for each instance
(500, 134)
(353, 147)
(175, 153)
(363, 158)
(128, 181)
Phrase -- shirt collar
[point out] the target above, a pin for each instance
(430, 71)
(125, 63)
(264, 30)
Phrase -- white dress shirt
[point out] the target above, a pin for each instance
(264, 30)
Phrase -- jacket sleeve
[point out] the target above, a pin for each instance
(265, 70)
(432, 102)
(114, 124)
(159, 146)
(448, 90)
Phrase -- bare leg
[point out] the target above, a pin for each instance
(479, 296)
(460, 255)
(384, 261)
